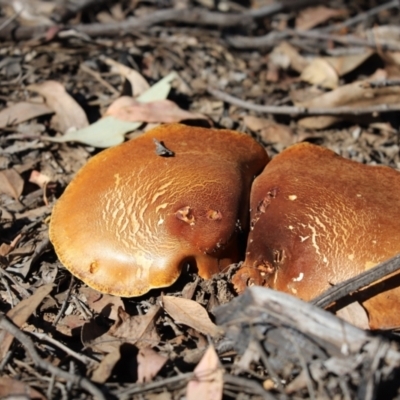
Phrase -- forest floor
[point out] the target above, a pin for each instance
(282, 71)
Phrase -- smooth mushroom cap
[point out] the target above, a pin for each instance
(131, 219)
(318, 219)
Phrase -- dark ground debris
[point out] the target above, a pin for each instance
(261, 67)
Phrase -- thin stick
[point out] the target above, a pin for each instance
(382, 83)
(45, 365)
(80, 357)
(272, 38)
(98, 77)
(191, 16)
(65, 302)
(292, 110)
(361, 17)
(353, 284)
(182, 379)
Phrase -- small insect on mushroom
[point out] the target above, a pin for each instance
(132, 217)
(318, 219)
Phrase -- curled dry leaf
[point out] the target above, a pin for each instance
(139, 330)
(138, 83)
(13, 389)
(69, 113)
(208, 382)
(103, 304)
(353, 95)
(190, 313)
(313, 16)
(286, 56)
(162, 111)
(320, 72)
(149, 364)
(39, 179)
(355, 314)
(325, 71)
(21, 112)
(104, 369)
(347, 63)
(30, 12)
(11, 183)
(270, 131)
(20, 314)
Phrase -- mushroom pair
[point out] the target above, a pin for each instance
(177, 195)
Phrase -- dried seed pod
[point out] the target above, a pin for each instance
(318, 219)
(131, 219)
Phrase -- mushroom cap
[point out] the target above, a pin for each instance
(131, 219)
(318, 219)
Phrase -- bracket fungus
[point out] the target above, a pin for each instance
(133, 216)
(318, 219)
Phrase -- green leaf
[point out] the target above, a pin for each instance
(106, 132)
(110, 131)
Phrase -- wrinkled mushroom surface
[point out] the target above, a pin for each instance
(318, 219)
(131, 218)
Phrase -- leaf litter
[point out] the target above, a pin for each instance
(159, 346)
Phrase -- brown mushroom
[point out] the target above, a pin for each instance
(136, 213)
(318, 219)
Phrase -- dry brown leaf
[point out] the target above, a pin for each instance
(320, 72)
(345, 64)
(149, 364)
(70, 114)
(107, 364)
(138, 83)
(270, 131)
(21, 112)
(313, 16)
(353, 95)
(30, 12)
(355, 314)
(325, 71)
(20, 314)
(208, 382)
(103, 304)
(285, 55)
(6, 248)
(39, 179)
(190, 313)
(163, 111)
(13, 389)
(139, 330)
(11, 183)
(69, 323)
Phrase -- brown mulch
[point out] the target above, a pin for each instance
(74, 343)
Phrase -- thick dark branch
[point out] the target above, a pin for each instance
(358, 282)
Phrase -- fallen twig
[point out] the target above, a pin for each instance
(381, 83)
(80, 357)
(272, 38)
(293, 110)
(360, 17)
(45, 365)
(65, 302)
(190, 16)
(353, 284)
